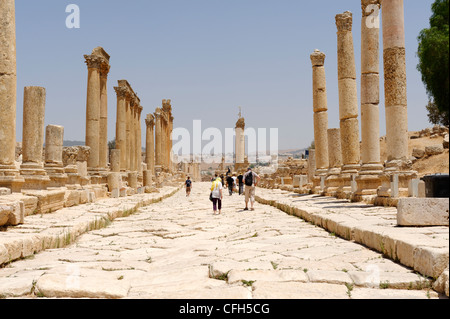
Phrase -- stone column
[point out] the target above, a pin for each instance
(240, 144)
(93, 111)
(170, 144)
(9, 174)
(395, 98)
(158, 138)
(133, 136)
(311, 165)
(121, 125)
(115, 160)
(332, 181)
(369, 179)
(54, 142)
(32, 168)
(320, 105)
(150, 143)
(128, 131)
(138, 140)
(103, 142)
(348, 103)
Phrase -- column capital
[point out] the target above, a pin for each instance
(150, 120)
(318, 58)
(93, 61)
(344, 21)
(104, 69)
(121, 91)
(368, 6)
(241, 123)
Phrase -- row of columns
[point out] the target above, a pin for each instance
(344, 167)
(161, 123)
(128, 128)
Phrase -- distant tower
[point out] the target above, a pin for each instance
(240, 141)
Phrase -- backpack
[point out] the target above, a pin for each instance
(249, 179)
(188, 183)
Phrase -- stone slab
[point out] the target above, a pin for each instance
(423, 212)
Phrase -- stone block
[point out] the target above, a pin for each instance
(48, 201)
(418, 153)
(434, 150)
(423, 212)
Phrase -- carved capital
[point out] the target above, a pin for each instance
(318, 58)
(150, 120)
(93, 61)
(241, 123)
(104, 69)
(369, 7)
(121, 91)
(344, 21)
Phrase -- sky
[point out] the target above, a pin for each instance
(209, 57)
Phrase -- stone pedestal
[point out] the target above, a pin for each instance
(32, 168)
(9, 174)
(54, 140)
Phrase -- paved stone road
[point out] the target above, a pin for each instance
(178, 249)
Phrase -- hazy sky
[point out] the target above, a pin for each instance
(208, 56)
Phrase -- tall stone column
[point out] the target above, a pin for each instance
(32, 168)
(93, 111)
(138, 140)
(348, 103)
(240, 144)
(103, 142)
(164, 139)
(170, 143)
(121, 125)
(133, 136)
(150, 143)
(128, 131)
(158, 139)
(395, 97)
(9, 174)
(54, 142)
(320, 105)
(369, 179)
(332, 181)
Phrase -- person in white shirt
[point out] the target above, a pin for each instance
(216, 194)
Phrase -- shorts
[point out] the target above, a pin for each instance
(249, 193)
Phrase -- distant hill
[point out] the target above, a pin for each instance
(73, 143)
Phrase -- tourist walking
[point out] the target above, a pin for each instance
(188, 185)
(240, 182)
(230, 184)
(216, 195)
(251, 180)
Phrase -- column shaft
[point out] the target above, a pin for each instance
(348, 99)
(103, 136)
(93, 110)
(121, 126)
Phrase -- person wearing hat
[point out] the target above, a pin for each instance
(251, 180)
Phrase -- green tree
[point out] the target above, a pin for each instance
(433, 56)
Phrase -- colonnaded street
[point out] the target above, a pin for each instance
(177, 249)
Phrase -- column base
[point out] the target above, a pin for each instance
(332, 182)
(319, 181)
(10, 178)
(347, 185)
(391, 189)
(368, 181)
(35, 176)
(58, 178)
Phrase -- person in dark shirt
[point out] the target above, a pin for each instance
(230, 183)
(188, 185)
(240, 180)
